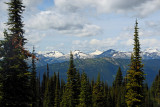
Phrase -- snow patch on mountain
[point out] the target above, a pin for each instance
(55, 54)
(149, 50)
(97, 52)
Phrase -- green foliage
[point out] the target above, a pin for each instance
(98, 94)
(49, 93)
(70, 96)
(118, 80)
(135, 76)
(155, 91)
(85, 96)
(15, 10)
(117, 89)
(57, 93)
(46, 99)
(16, 85)
(43, 87)
(34, 84)
(52, 88)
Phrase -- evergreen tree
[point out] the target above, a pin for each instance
(105, 93)
(62, 89)
(34, 85)
(39, 100)
(85, 97)
(70, 96)
(147, 102)
(155, 91)
(47, 93)
(109, 98)
(135, 76)
(43, 87)
(14, 69)
(118, 80)
(47, 71)
(98, 94)
(57, 93)
(117, 86)
(46, 99)
(123, 92)
(52, 89)
(78, 86)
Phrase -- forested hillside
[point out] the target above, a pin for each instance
(107, 67)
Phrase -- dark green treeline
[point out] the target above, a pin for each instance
(80, 91)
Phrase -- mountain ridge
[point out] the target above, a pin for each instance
(51, 57)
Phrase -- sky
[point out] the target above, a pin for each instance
(88, 25)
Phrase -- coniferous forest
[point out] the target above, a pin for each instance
(21, 85)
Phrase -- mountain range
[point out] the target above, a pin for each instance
(106, 63)
(51, 57)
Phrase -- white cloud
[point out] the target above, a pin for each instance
(109, 42)
(93, 44)
(70, 24)
(138, 7)
(153, 43)
(153, 24)
(148, 7)
(34, 37)
(128, 42)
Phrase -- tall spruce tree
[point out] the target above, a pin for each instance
(117, 88)
(62, 89)
(14, 69)
(57, 93)
(34, 85)
(43, 88)
(135, 76)
(52, 88)
(118, 80)
(155, 91)
(98, 98)
(39, 91)
(85, 96)
(46, 99)
(69, 98)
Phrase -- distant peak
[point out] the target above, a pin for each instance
(51, 53)
(97, 52)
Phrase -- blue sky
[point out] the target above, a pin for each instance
(88, 25)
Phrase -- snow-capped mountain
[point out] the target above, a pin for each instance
(57, 57)
(97, 52)
(55, 54)
(80, 55)
(151, 54)
(149, 50)
(146, 54)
